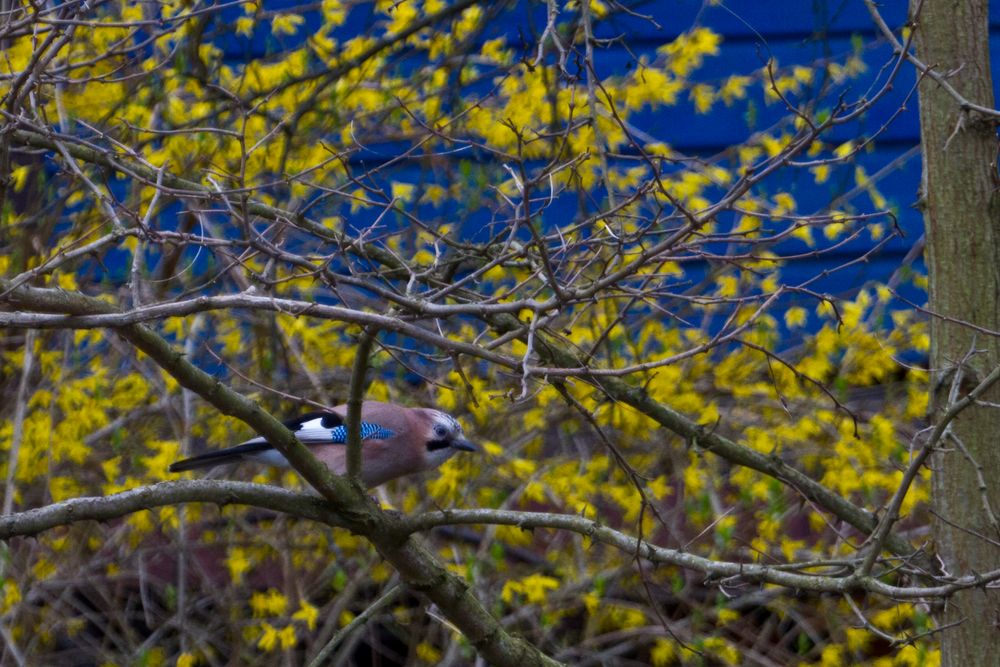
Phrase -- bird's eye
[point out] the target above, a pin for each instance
(440, 431)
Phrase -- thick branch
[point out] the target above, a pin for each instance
(738, 572)
(305, 506)
(219, 492)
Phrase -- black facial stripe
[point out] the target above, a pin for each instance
(434, 445)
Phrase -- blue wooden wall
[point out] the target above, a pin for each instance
(794, 32)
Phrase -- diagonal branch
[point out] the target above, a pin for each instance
(708, 439)
(417, 566)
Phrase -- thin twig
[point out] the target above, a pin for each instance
(355, 401)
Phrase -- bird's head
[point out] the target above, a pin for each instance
(444, 437)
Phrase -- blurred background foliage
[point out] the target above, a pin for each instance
(500, 158)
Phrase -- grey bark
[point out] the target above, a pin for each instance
(962, 219)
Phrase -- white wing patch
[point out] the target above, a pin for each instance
(313, 424)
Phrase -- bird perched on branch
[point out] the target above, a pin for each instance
(395, 441)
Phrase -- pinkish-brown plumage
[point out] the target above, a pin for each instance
(396, 441)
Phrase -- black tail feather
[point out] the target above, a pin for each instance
(218, 458)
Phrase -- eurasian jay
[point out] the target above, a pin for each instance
(395, 441)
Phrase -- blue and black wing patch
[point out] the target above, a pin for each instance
(328, 428)
(369, 431)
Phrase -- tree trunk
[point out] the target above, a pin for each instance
(962, 220)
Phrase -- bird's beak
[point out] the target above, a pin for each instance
(464, 445)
